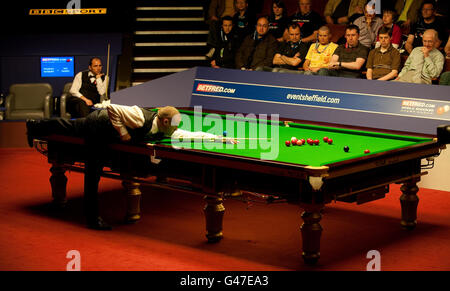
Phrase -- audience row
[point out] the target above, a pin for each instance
(302, 43)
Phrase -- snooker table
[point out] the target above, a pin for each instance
(260, 167)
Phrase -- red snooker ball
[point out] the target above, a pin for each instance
(299, 143)
(310, 141)
(316, 142)
(294, 140)
(367, 151)
(325, 139)
(330, 141)
(288, 143)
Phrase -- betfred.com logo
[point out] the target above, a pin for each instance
(214, 89)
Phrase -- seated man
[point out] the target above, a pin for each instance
(427, 21)
(388, 21)
(217, 10)
(257, 49)
(114, 124)
(319, 54)
(425, 62)
(225, 51)
(348, 59)
(308, 20)
(291, 54)
(87, 89)
(343, 11)
(369, 24)
(383, 63)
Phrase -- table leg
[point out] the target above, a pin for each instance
(214, 211)
(133, 197)
(409, 202)
(58, 182)
(311, 232)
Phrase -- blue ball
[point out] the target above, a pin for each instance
(224, 133)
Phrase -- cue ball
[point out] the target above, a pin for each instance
(225, 133)
(346, 149)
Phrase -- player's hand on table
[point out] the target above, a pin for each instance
(125, 137)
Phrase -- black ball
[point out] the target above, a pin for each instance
(346, 149)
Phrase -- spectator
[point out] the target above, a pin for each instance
(445, 79)
(220, 8)
(278, 20)
(308, 20)
(319, 54)
(243, 20)
(427, 21)
(408, 11)
(383, 63)
(442, 8)
(369, 24)
(291, 54)
(87, 88)
(348, 59)
(388, 21)
(257, 49)
(217, 10)
(424, 63)
(343, 11)
(447, 48)
(224, 53)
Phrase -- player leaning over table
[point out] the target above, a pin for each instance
(114, 124)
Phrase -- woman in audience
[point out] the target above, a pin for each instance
(388, 21)
(278, 20)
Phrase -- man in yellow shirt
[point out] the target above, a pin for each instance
(319, 54)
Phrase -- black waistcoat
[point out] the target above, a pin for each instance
(89, 89)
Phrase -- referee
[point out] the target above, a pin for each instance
(87, 88)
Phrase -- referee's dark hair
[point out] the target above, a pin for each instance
(94, 58)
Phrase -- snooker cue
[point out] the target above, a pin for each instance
(107, 72)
